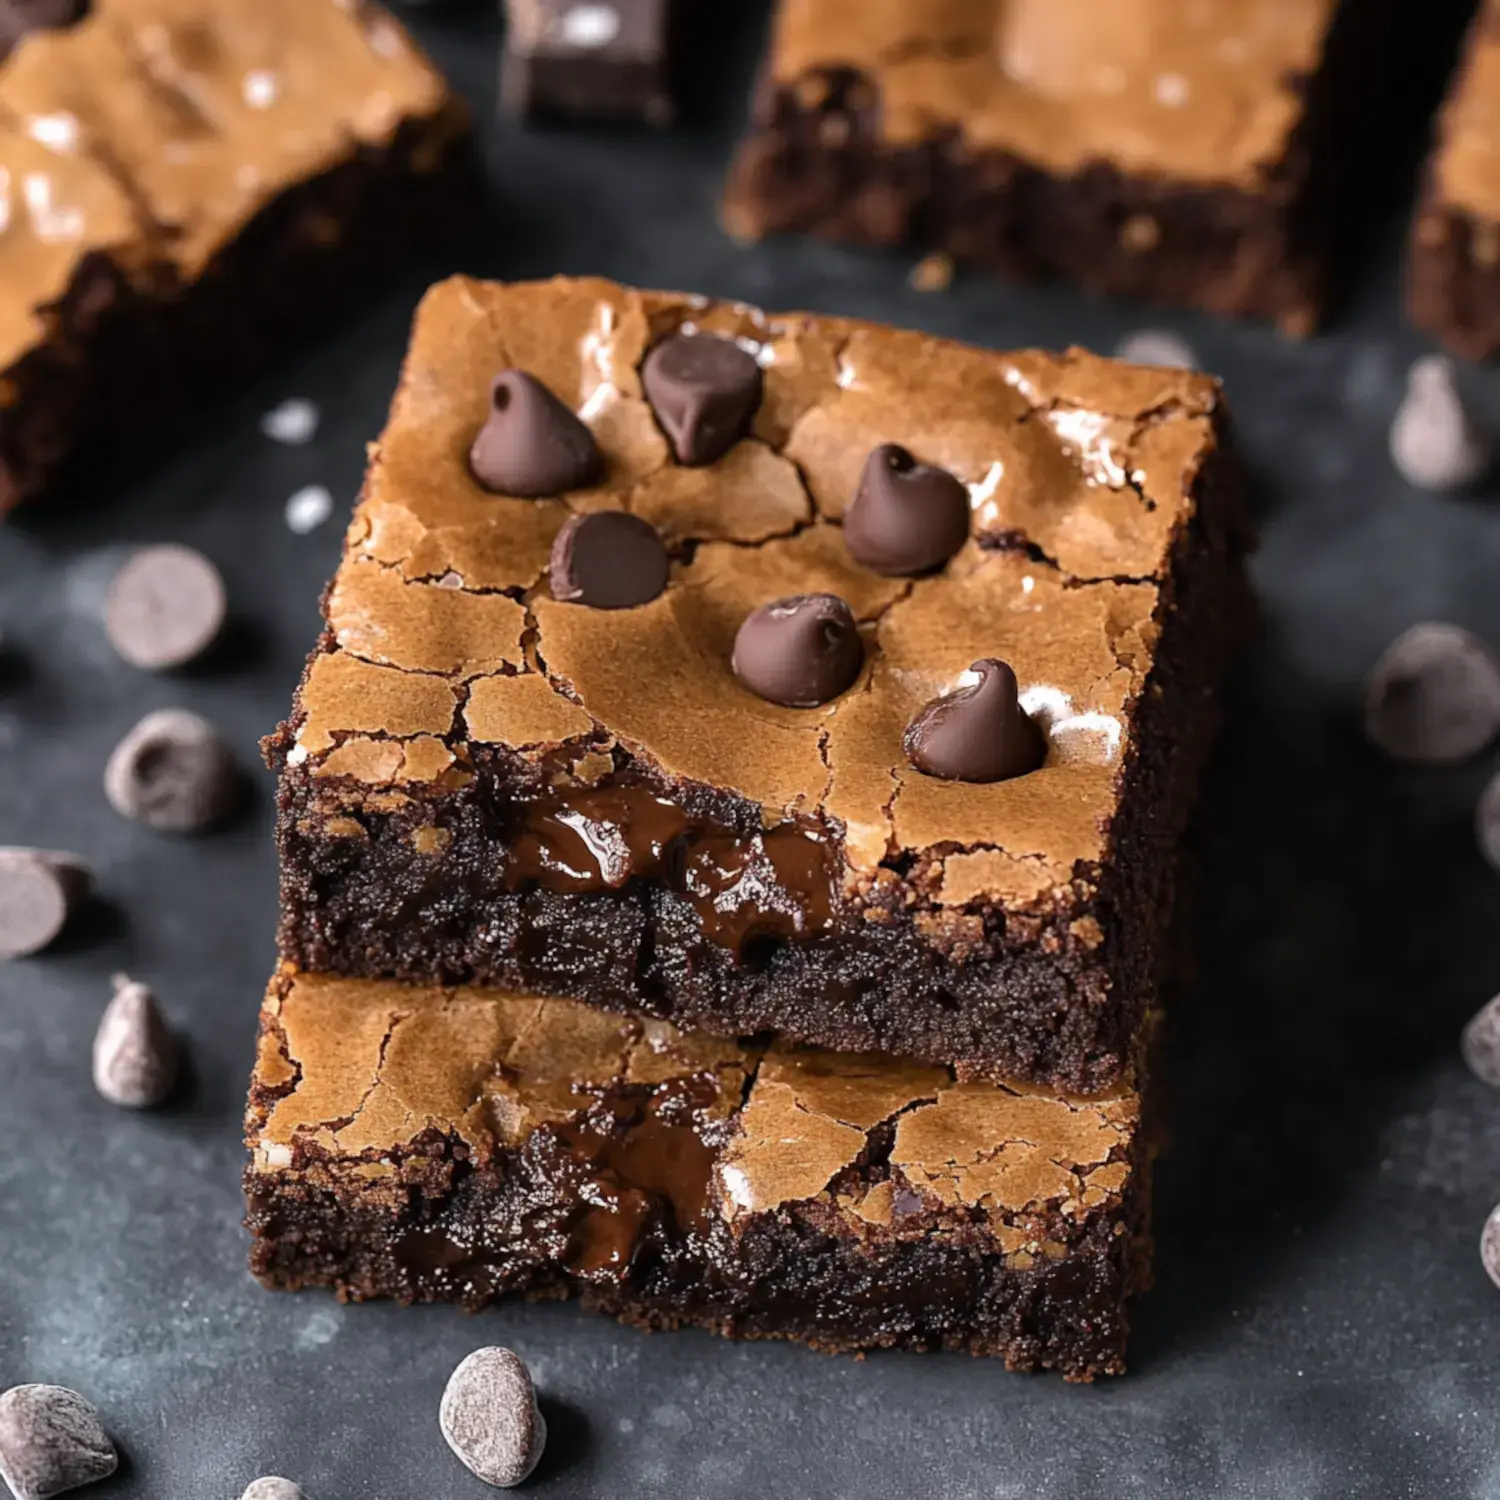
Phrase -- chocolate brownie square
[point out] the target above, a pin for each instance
(461, 1146)
(493, 775)
(1187, 153)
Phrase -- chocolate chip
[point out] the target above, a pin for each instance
(1480, 1043)
(39, 891)
(978, 732)
(1156, 346)
(532, 445)
(1487, 822)
(704, 390)
(905, 517)
(135, 1053)
(273, 1488)
(1434, 443)
(800, 651)
(174, 773)
(609, 560)
(1489, 1245)
(1433, 698)
(165, 607)
(51, 1440)
(491, 1419)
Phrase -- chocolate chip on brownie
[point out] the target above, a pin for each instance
(490, 1417)
(609, 560)
(906, 517)
(800, 651)
(51, 1440)
(135, 1053)
(705, 391)
(39, 890)
(532, 445)
(1434, 442)
(173, 772)
(978, 732)
(1433, 698)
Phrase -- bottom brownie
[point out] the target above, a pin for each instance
(460, 1145)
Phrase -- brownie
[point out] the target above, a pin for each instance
(190, 187)
(464, 1145)
(1186, 153)
(1453, 268)
(482, 783)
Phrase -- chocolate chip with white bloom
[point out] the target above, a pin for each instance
(1434, 442)
(1156, 346)
(1487, 822)
(173, 772)
(135, 1053)
(490, 1417)
(1433, 698)
(1489, 1245)
(274, 1488)
(51, 1441)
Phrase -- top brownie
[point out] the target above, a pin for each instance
(1165, 148)
(483, 780)
(171, 171)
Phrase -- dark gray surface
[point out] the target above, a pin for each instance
(1321, 1326)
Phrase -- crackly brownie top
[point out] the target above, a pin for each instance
(156, 129)
(1467, 166)
(358, 1071)
(1080, 475)
(1179, 88)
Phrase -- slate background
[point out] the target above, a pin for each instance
(1321, 1326)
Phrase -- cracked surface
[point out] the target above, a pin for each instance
(360, 1070)
(1083, 477)
(156, 130)
(1171, 88)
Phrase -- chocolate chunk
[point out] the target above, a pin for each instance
(532, 445)
(1434, 443)
(800, 651)
(1480, 1043)
(1489, 1245)
(906, 517)
(1487, 822)
(51, 1440)
(705, 391)
(490, 1417)
(587, 60)
(273, 1488)
(1156, 346)
(165, 607)
(978, 732)
(39, 891)
(608, 560)
(1433, 698)
(174, 773)
(135, 1053)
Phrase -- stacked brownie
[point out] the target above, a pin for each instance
(187, 187)
(728, 826)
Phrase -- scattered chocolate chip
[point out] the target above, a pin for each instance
(1156, 346)
(51, 1440)
(135, 1053)
(976, 733)
(800, 651)
(1433, 698)
(174, 773)
(1487, 822)
(905, 517)
(491, 1419)
(532, 445)
(1434, 443)
(1480, 1043)
(704, 390)
(608, 560)
(1489, 1245)
(165, 607)
(273, 1488)
(39, 891)
(933, 273)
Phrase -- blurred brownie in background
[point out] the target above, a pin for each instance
(189, 188)
(1186, 153)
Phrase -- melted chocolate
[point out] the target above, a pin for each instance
(777, 883)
